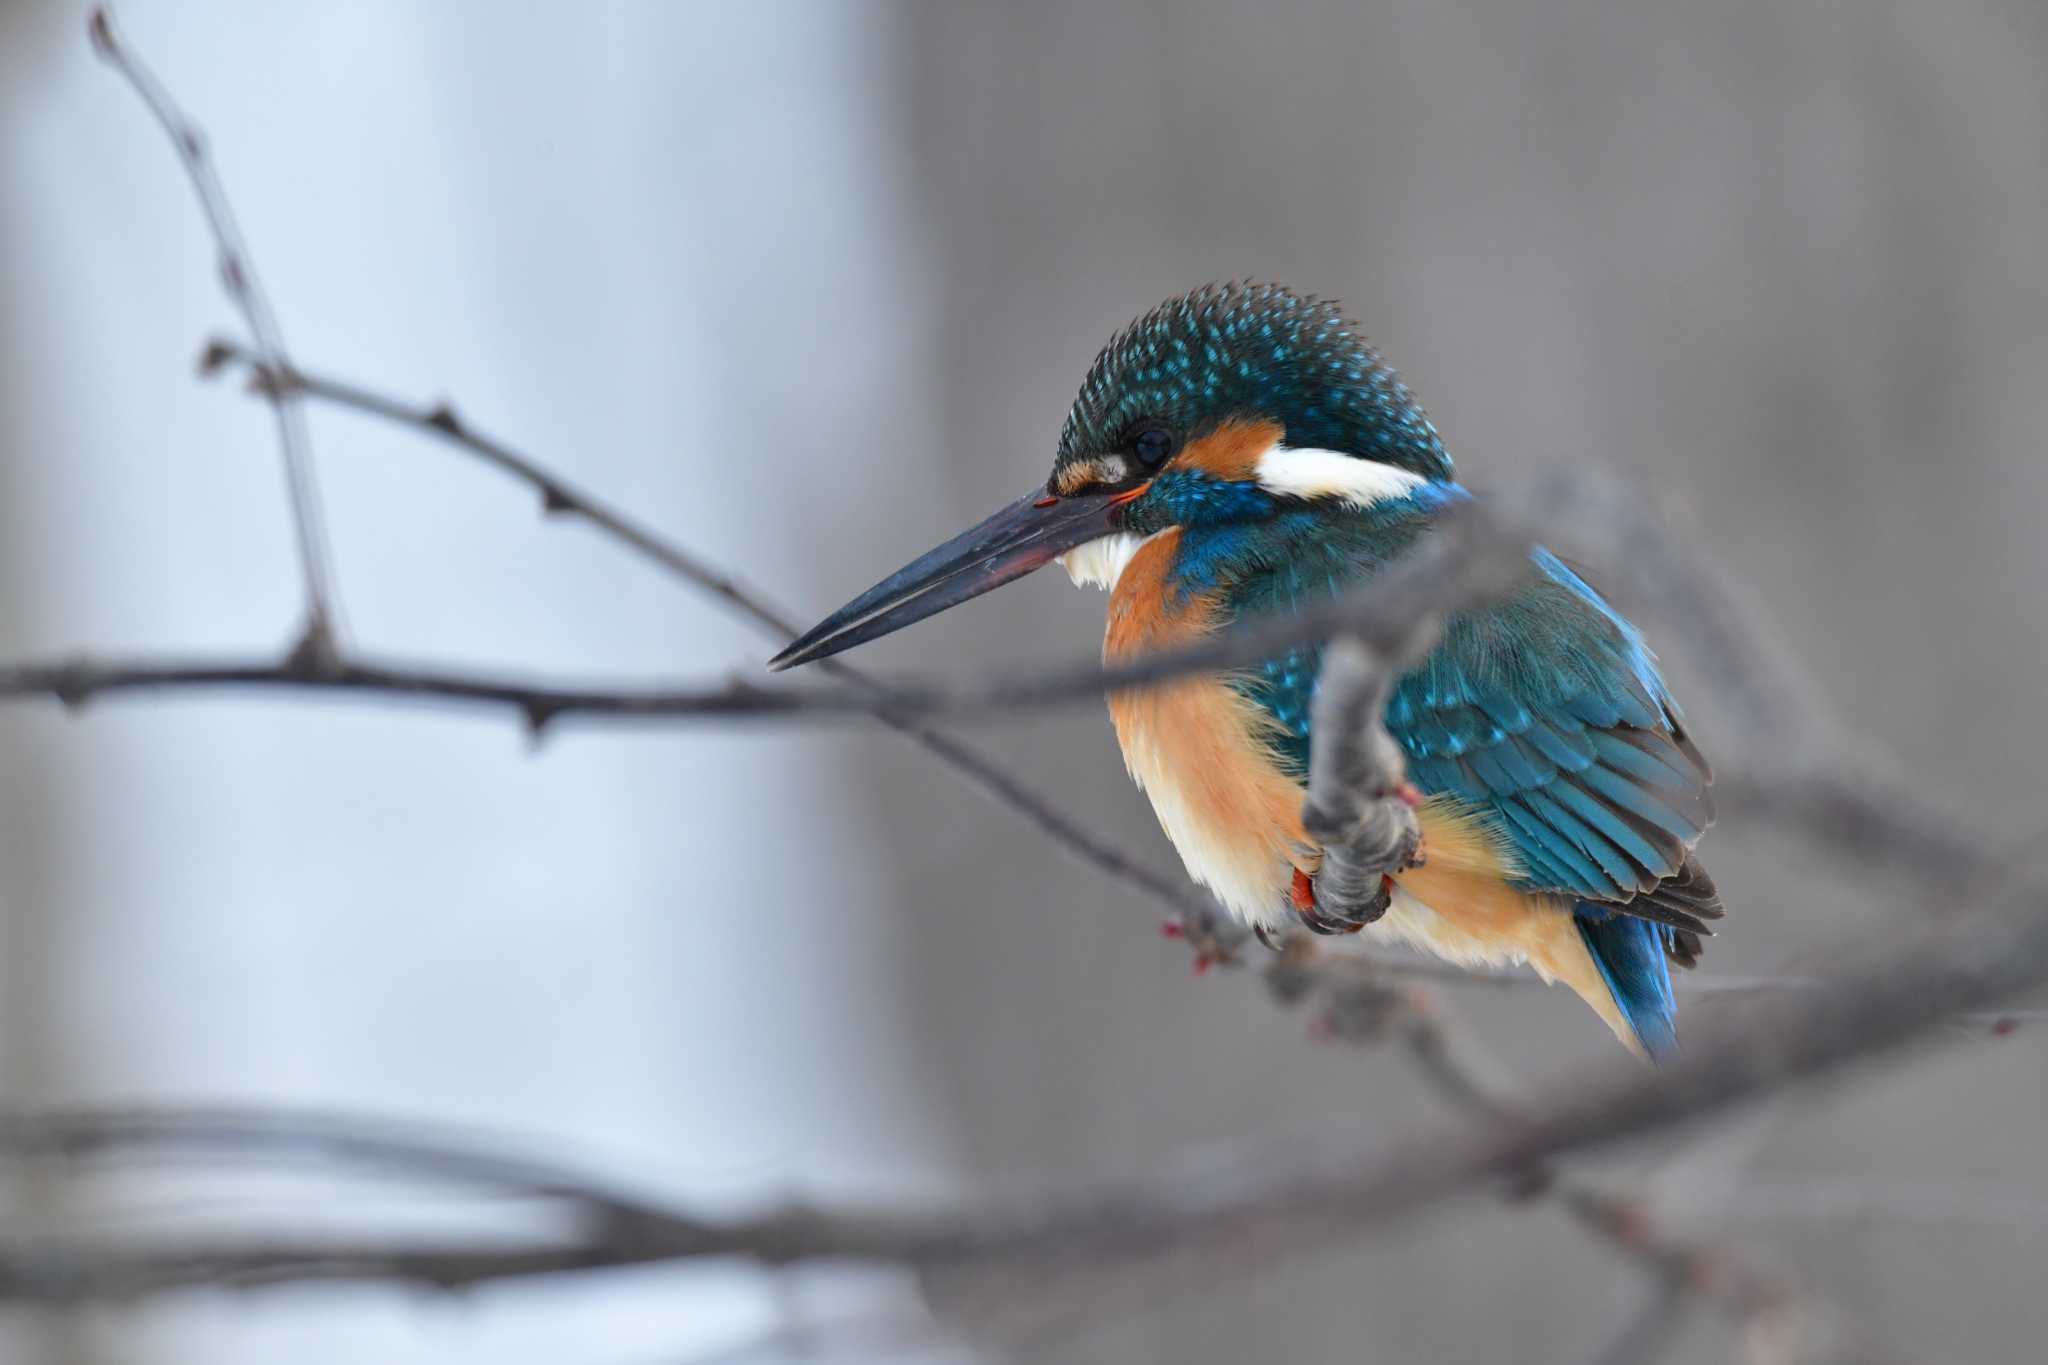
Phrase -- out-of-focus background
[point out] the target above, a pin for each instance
(810, 287)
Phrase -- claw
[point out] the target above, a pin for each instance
(1309, 910)
(1302, 896)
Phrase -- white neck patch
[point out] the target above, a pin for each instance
(1285, 470)
(1332, 474)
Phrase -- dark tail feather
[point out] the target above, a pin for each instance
(1630, 954)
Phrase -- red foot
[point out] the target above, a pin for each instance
(1303, 892)
(1175, 930)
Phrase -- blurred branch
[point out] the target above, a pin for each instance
(1294, 1196)
(1646, 1335)
(1365, 1009)
(238, 276)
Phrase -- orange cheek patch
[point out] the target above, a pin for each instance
(1082, 475)
(1232, 451)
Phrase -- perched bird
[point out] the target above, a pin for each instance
(1242, 450)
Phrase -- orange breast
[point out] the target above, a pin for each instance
(1199, 748)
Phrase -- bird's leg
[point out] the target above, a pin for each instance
(1355, 884)
(1360, 808)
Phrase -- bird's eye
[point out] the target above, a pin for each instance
(1152, 447)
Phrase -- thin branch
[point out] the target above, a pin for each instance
(561, 497)
(1474, 557)
(1482, 555)
(245, 289)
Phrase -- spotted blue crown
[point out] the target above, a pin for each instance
(1259, 351)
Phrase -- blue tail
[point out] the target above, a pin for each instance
(1630, 955)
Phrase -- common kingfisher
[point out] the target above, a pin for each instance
(1242, 450)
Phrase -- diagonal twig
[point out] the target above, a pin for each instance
(238, 276)
(561, 497)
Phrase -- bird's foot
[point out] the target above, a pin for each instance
(1308, 907)
(1208, 946)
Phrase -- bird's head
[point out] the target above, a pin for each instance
(1234, 403)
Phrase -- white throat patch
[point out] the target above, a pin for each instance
(1314, 474)
(1099, 563)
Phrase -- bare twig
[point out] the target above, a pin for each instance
(561, 497)
(1473, 557)
(238, 276)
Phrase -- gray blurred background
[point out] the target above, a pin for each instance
(811, 287)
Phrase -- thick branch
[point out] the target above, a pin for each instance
(1356, 776)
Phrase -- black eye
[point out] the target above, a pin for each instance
(1152, 447)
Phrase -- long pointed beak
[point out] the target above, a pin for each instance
(1028, 534)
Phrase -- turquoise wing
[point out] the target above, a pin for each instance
(1547, 711)
(1546, 714)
